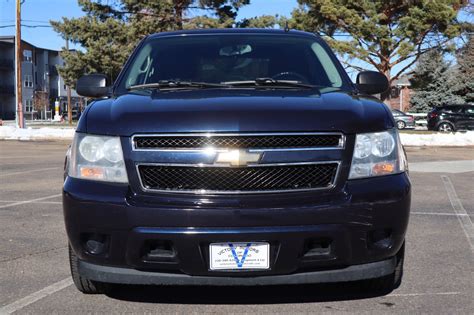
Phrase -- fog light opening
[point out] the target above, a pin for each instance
(381, 239)
(95, 244)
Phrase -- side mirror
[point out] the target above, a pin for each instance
(92, 85)
(372, 82)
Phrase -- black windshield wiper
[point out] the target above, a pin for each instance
(271, 82)
(176, 84)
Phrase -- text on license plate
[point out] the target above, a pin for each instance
(250, 255)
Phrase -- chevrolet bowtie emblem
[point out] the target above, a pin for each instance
(237, 157)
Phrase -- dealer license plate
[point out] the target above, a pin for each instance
(251, 255)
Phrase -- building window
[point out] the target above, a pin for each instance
(28, 81)
(394, 92)
(27, 56)
(29, 106)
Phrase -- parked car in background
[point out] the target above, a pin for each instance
(403, 120)
(451, 118)
(75, 115)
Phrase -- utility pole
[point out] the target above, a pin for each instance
(69, 106)
(20, 122)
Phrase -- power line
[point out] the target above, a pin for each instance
(25, 25)
(35, 26)
(36, 21)
(25, 20)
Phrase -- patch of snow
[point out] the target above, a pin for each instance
(438, 139)
(453, 167)
(45, 133)
(408, 139)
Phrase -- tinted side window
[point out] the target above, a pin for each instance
(452, 109)
(469, 110)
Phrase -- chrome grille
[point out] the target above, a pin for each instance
(261, 178)
(240, 141)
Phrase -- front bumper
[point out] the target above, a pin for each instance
(409, 124)
(131, 276)
(432, 124)
(349, 220)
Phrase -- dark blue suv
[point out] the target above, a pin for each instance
(235, 157)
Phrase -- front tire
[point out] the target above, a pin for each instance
(83, 284)
(388, 283)
(401, 125)
(445, 127)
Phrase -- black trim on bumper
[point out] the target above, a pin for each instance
(132, 276)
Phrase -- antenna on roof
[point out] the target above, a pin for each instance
(287, 28)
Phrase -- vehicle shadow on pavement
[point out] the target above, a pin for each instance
(241, 295)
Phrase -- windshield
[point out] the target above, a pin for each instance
(231, 59)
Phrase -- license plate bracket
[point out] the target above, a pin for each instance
(239, 256)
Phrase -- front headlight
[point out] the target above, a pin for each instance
(97, 158)
(376, 154)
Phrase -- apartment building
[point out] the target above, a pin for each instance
(41, 83)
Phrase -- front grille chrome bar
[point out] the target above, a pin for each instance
(183, 142)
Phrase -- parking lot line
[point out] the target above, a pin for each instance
(458, 208)
(26, 172)
(454, 167)
(435, 213)
(28, 201)
(60, 285)
(22, 157)
(423, 294)
(41, 202)
(36, 296)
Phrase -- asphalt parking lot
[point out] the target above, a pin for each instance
(34, 270)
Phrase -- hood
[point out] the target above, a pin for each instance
(230, 110)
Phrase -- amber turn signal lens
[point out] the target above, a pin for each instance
(92, 172)
(383, 168)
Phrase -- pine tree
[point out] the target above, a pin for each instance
(433, 83)
(382, 33)
(263, 21)
(465, 71)
(109, 32)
